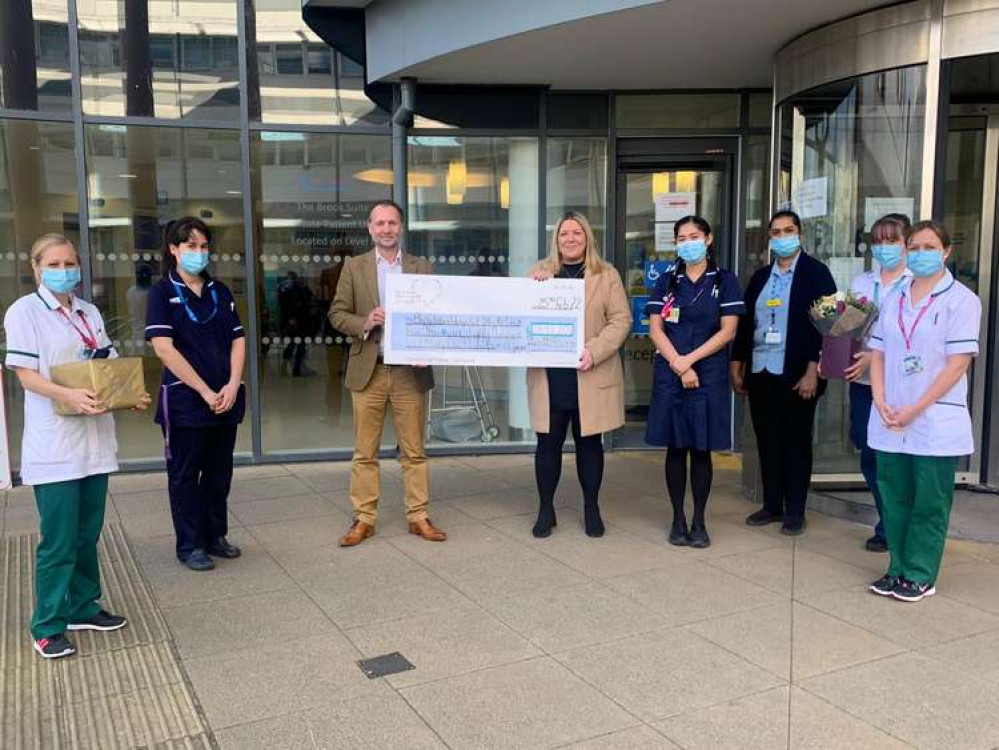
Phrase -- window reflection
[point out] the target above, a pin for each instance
(160, 58)
(138, 179)
(473, 210)
(850, 153)
(37, 195)
(34, 64)
(312, 194)
(299, 79)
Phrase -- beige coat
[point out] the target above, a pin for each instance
(356, 296)
(601, 389)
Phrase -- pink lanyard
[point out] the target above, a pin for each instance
(88, 338)
(901, 324)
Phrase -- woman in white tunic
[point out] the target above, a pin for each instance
(66, 459)
(923, 342)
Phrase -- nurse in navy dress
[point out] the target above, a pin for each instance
(693, 316)
(193, 326)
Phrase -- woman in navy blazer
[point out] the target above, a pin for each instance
(775, 360)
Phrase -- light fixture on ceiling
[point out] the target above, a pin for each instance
(686, 182)
(456, 182)
(505, 192)
(660, 183)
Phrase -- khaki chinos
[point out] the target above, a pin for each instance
(375, 387)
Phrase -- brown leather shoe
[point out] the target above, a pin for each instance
(357, 533)
(427, 530)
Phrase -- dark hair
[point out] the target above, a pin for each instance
(937, 227)
(387, 202)
(890, 226)
(177, 232)
(786, 214)
(680, 268)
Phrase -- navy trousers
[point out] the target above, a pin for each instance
(861, 403)
(200, 474)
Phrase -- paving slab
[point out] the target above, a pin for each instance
(531, 704)
(443, 643)
(954, 710)
(664, 673)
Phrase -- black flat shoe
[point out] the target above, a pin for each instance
(678, 535)
(198, 560)
(592, 521)
(545, 523)
(793, 526)
(762, 518)
(876, 544)
(221, 548)
(698, 537)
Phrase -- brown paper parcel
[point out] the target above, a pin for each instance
(118, 383)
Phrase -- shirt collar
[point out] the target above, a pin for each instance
(209, 281)
(46, 296)
(775, 269)
(381, 261)
(944, 285)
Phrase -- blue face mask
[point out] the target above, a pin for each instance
(60, 280)
(785, 247)
(887, 256)
(193, 262)
(692, 251)
(925, 263)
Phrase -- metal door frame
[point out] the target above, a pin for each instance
(647, 155)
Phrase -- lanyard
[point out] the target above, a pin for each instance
(901, 323)
(190, 313)
(88, 337)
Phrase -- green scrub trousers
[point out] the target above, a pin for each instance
(67, 571)
(917, 493)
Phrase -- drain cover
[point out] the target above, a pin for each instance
(384, 665)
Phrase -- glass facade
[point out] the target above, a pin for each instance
(851, 152)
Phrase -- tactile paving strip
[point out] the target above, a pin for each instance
(123, 689)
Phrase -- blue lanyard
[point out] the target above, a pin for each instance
(182, 294)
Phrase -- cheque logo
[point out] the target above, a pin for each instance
(421, 294)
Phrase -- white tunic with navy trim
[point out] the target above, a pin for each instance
(950, 326)
(56, 448)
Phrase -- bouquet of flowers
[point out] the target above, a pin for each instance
(844, 320)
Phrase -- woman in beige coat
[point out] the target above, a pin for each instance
(590, 397)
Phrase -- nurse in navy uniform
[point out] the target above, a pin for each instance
(195, 330)
(693, 316)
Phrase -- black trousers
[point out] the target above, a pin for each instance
(200, 474)
(783, 423)
(548, 457)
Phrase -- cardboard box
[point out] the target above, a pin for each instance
(119, 383)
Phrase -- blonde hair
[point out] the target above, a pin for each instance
(594, 263)
(45, 243)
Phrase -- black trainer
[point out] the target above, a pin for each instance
(910, 591)
(198, 560)
(885, 585)
(876, 544)
(54, 646)
(698, 537)
(763, 517)
(103, 620)
(221, 548)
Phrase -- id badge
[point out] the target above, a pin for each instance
(673, 316)
(771, 337)
(775, 302)
(912, 365)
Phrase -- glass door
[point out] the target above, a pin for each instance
(658, 182)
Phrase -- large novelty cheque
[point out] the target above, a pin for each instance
(483, 321)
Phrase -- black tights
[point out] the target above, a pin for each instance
(548, 458)
(700, 481)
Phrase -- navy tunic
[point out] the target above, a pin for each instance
(698, 418)
(204, 341)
